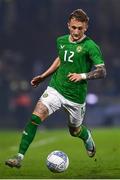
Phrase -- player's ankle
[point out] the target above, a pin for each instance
(21, 156)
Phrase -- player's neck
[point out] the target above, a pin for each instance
(71, 40)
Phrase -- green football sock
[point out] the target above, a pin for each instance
(83, 134)
(29, 133)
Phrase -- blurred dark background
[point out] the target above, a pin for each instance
(28, 32)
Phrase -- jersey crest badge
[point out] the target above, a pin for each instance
(79, 49)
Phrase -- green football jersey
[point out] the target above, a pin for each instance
(75, 57)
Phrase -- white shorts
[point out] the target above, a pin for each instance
(53, 100)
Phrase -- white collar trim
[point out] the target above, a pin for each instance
(84, 36)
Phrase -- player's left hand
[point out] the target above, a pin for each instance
(74, 77)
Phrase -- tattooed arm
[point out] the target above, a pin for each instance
(97, 73)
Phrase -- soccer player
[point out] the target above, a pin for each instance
(79, 60)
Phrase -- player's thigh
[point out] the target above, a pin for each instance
(41, 110)
(76, 114)
(48, 103)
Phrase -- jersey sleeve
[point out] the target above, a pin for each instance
(96, 55)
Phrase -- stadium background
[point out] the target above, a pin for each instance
(28, 32)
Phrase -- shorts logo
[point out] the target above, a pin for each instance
(45, 95)
(79, 49)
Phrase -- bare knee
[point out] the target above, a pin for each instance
(41, 110)
(74, 131)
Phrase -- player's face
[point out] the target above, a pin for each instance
(77, 29)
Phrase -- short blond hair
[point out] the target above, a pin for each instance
(80, 15)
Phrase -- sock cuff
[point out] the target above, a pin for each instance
(83, 134)
(36, 119)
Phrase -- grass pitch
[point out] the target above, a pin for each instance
(106, 164)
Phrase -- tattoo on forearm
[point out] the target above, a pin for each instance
(99, 72)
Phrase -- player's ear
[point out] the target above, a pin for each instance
(68, 24)
(86, 27)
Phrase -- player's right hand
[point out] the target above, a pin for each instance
(36, 80)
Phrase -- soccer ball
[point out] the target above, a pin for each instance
(57, 161)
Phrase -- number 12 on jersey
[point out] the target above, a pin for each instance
(68, 56)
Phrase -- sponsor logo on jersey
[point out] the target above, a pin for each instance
(62, 46)
(79, 49)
